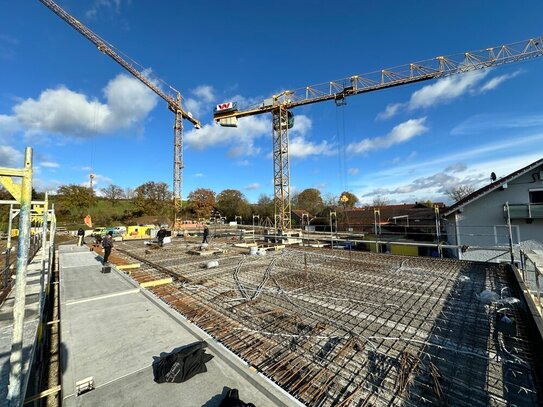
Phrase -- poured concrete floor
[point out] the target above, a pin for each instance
(113, 332)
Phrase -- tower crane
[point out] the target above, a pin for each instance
(227, 114)
(174, 104)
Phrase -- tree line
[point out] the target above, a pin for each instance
(154, 198)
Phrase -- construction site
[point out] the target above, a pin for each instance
(343, 328)
(290, 315)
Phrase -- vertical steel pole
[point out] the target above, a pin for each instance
(43, 249)
(52, 232)
(438, 231)
(16, 360)
(44, 231)
(510, 234)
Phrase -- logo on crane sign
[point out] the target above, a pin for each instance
(224, 107)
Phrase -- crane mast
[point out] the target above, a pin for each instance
(174, 104)
(227, 114)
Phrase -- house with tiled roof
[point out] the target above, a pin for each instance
(500, 216)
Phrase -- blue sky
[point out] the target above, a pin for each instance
(82, 113)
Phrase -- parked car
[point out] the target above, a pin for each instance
(99, 232)
(117, 230)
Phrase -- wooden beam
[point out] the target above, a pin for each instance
(156, 282)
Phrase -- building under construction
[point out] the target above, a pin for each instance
(339, 328)
(286, 324)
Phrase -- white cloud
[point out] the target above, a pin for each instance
(49, 164)
(302, 125)
(435, 185)
(50, 186)
(444, 91)
(114, 5)
(10, 157)
(488, 122)
(390, 111)
(9, 125)
(498, 80)
(458, 167)
(478, 153)
(204, 97)
(98, 182)
(399, 134)
(253, 186)
(241, 138)
(71, 114)
(242, 163)
(353, 171)
(299, 147)
(198, 175)
(206, 93)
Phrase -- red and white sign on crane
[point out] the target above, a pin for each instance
(226, 107)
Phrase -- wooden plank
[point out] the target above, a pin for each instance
(129, 266)
(43, 394)
(156, 282)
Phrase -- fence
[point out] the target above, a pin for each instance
(531, 275)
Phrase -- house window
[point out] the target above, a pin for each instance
(536, 196)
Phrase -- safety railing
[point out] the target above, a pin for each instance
(9, 263)
(532, 275)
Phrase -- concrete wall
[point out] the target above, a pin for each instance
(482, 222)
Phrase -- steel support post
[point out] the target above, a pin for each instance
(281, 169)
(178, 160)
(438, 231)
(511, 251)
(332, 214)
(43, 249)
(44, 230)
(16, 360)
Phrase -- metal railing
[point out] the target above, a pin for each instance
(526, 211)
(10, 260)
(531, 275)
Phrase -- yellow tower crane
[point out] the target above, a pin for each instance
(174, 104)
(227, 114)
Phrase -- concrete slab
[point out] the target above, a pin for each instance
(95, 282)
(114, 331)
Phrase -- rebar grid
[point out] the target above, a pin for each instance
(344, 328)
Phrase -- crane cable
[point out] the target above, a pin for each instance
(341, 150)
(342, 157)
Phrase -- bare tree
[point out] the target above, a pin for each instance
(129, 193)
(113, 193)
(380, 200)
(459, 192)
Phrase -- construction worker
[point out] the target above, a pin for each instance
(107, 244)
(80, 237)
(206, 234)
(161, 234)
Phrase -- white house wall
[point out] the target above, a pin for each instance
(482, 222)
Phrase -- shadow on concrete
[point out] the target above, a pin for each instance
(4, 372)
(63, 354)
(216, 400)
